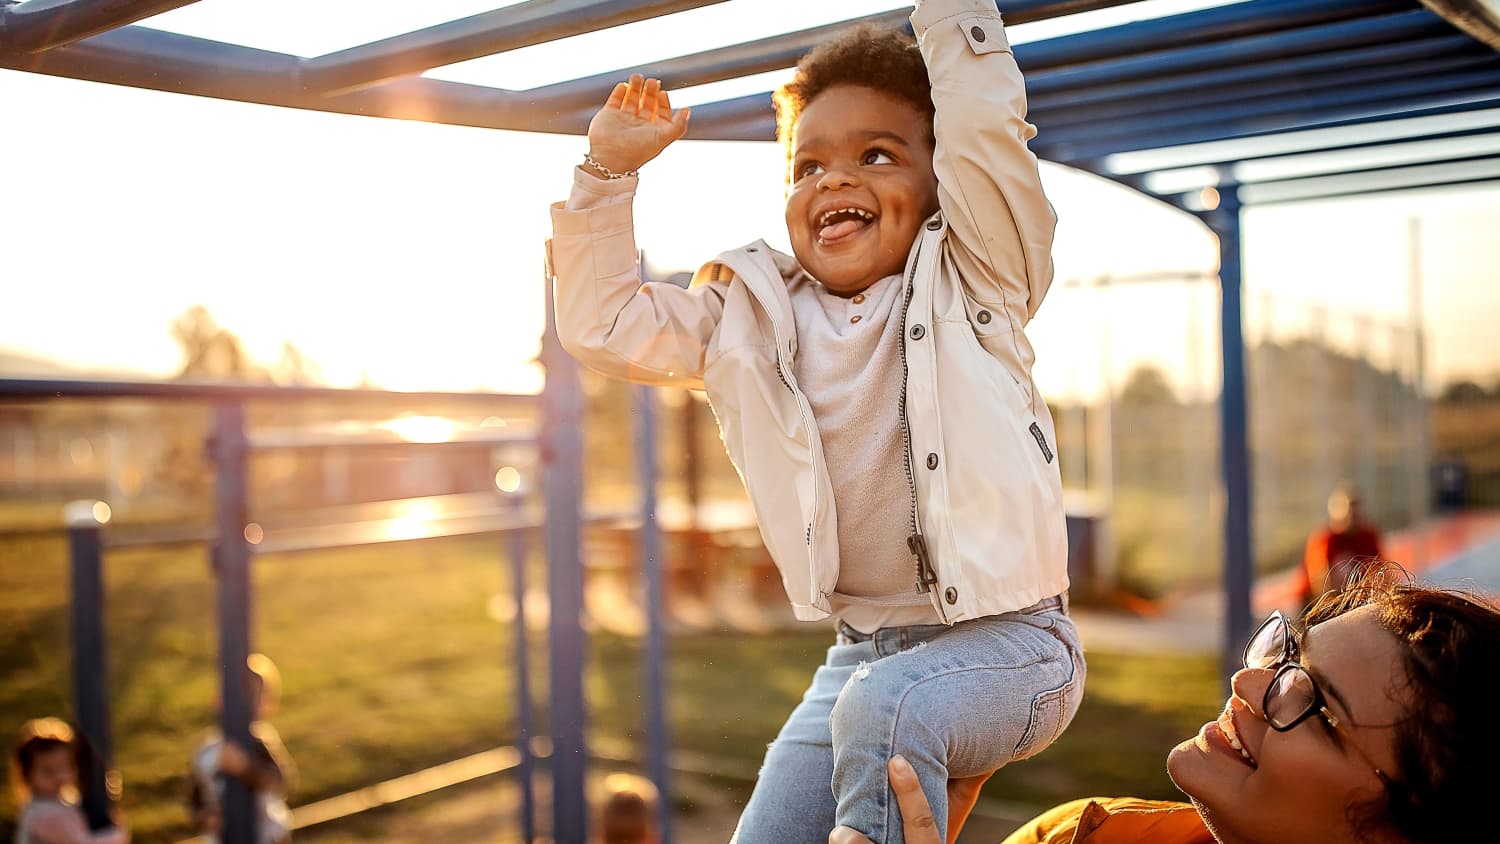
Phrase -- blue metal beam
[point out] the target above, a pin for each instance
(1315, 70)
(39, 25)
(1466, 170)
(1193, 29)
(509, 28)
(1414, 24)
(1320, 139)
(766, 54)
(1389, 101)
(1286, 93)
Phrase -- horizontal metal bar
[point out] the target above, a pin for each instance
(509, 28)
(766, 54)
(1209, 26)
(773, 53)
(1286, 114)
(1307, 67)
(27, 389)
(1412, 24)
(39, 25)
(1472, 171)
(1288, 92)
(375, 437)
(1434, 123)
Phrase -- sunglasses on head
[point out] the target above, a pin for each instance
(1293, 695)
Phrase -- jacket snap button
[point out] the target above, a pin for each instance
(983, 317)
(934, 225)
(978, 33)
(918, 332)
(950, 595)
(932, 460)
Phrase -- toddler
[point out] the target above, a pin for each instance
(45, 777)
(874, 391)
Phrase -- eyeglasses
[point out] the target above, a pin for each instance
(1293, 695)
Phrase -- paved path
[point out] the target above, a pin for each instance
(1461, 550)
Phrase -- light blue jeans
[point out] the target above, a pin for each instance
(955, 701)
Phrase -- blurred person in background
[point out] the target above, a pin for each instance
(265, 768)
(628, 812)
(1334, 550)
(44, 774)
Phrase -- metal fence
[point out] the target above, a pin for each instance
(234, 446)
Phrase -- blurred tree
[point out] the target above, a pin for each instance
(1462, 392)
(296, 368)
(1147, 385)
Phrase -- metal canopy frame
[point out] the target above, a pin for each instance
(1216, 90)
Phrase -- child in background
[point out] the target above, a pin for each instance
(44, 773)
(874, 390)
(265, 768)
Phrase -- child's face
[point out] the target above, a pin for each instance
(862, 184)
(52, 772)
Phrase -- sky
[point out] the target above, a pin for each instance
(410, 253)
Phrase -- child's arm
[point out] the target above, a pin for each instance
(989, 188)
(655, 333)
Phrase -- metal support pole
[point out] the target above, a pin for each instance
(90, 667)
(1234, 430)
(229, 448)
(516, 544)
(651, 565)
(562, 408)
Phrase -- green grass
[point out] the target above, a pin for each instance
(392, 662)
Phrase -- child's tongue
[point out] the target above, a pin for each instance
(840, 230)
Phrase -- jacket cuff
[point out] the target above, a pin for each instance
(605, 218)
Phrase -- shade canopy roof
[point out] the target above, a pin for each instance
(1292, 99)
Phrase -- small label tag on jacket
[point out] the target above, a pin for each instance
(1041, 441)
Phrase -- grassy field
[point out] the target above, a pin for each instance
(393, 661)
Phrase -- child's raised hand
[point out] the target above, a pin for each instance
(635, 125)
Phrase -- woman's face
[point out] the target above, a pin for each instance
(1298, 786)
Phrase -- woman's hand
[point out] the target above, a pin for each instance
(916, 813)
(635, 125)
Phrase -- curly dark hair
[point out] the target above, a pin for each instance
(1446, 744)
(879, 57)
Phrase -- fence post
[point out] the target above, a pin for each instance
(562, 451)
(229, 447)
(90, 665)
(657, 740)
(516, 502)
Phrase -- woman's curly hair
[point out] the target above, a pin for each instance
(1446, 744)
(879, 57)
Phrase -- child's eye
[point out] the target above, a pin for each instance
(878, 156)
(808, 168)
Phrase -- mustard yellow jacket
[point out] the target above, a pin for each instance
(1115, 820)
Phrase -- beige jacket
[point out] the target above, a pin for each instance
(987, 531)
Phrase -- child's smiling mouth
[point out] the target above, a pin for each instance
(839, 224)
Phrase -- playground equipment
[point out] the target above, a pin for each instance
(1181, 108)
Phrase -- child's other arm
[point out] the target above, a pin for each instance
(655, 333)
(988, 185)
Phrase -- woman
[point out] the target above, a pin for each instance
(1370, 723)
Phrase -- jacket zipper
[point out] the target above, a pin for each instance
(915, 542)
(812, 434)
